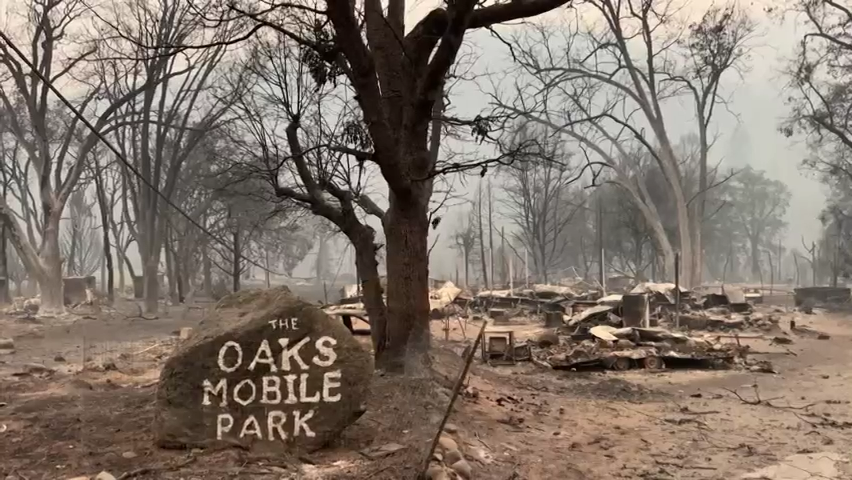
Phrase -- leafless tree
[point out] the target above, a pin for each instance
(46, 133)
(318, 166)
(398, 76)
(81, 242)
(716, 45)
(464, 240)
(820, 99)
(540, 201)
(627, 239)
(481, 210)
(106, 207)
(5, 184)
(167, 123)
(604, 85)
(820, 93)
(258, 228)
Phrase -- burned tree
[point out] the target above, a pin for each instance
(820, 101)
(283, 141)
(81, 243)
(465, 240)
(398, 79)
(168, 122)
(540, 201)
(47, 133)
(715, 46)
(605, 84)
(759, 205)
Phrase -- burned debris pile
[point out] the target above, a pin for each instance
(647, 325)
(631, 347)
(650, 326)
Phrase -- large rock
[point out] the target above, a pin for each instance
(264, 370)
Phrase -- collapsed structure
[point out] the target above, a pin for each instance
(647, 325)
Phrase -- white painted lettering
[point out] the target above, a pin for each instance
(224, 423)
(271, 385)
(324, 347)
(224, 350)
(267, 359)
(221, 389)
(303, 390)
(330, 380)
(255, 428)
(275, 421)
(301, 423)
(285, 323)
(292, 353)
(291, 390)
(245, 401)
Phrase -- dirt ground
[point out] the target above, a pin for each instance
(90, 410)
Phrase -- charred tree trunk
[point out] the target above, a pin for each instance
(127, 263)
(207, 273)
(49, 273)
(151, 279)
(490, 235)
(180, 259)
(371, 291)
(171, 266)
(4, 246)
(121, 280)
(406, 231)
(105, 225)
(482, 242)
(466, 268)
(4, 266)
(72, 252)
(756, 270)
(235, 263)
(150, 236)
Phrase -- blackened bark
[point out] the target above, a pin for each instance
(105, 224)
(406, 231)
(4, 267)
(171, 265)
(235, 274)
(482, 241)
(371, 291)
(207, 267)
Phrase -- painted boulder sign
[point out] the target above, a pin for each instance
(264, 370)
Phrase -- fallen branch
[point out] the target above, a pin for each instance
(822, 421)
(456, 389)
(812, 419)
(756, 401)
(140, 315)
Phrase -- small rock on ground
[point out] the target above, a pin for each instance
(463, 469)
(452, 456)
(446, 443)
